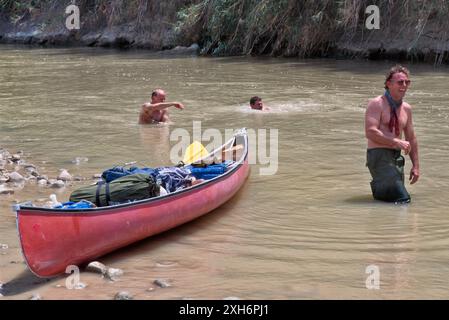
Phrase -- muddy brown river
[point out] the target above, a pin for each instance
(311, 230)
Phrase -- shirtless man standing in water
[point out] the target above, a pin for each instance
(156, 111)
(386, 118)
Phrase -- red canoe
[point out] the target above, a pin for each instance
(53, 239)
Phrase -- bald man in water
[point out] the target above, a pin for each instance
(156, 110)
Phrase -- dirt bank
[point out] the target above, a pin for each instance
(409, 30)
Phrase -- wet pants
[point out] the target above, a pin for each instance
(387, 170)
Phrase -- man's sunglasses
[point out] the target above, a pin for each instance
(403, 82)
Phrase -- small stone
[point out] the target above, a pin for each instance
(16, 177)
(123, 295)
(42, 182)
(34, 173)
(36, 296)
(56, 183)
(29, 167)
(150, 289)
(4, 190)
(3, 179)
(96, 176)
(113, 274)
(97, 267)
(162, 283)
(3, 246)
(64, 175)
(15, 157)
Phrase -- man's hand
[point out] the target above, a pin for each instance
(179, 105)
(403, 145)
(414, 175)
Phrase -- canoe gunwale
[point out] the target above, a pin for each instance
(18, 208)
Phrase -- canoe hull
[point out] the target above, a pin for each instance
(51, 241)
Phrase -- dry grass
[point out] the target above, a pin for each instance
(304, 28)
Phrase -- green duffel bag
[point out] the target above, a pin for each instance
(129, 188)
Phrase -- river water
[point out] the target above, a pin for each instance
(311, 230)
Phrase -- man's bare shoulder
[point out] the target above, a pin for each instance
(406, 106)
(375, 103)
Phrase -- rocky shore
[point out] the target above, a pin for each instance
(16, 173)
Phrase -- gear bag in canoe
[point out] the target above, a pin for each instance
(128, 188)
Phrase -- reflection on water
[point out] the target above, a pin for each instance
(309, 231)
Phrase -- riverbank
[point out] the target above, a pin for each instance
(408, 31)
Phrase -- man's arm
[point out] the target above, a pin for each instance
(410, 136)
(161, 106)
(373, 133)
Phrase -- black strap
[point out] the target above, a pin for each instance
(108, 195)
(97, 193)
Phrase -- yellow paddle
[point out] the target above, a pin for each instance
(194, 152)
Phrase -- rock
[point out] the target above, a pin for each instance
(97, 267)
(3, 246)
(192, 50)
(36, 296)
(64, 175)
(4, 190)
(29, 166)
(162, 283)
(123, 295)
(96, 176)
(113, 274)
(15, 157)
(56, 183)
(3, 179)
(34, 173)
(16, 177)
(151, 289)
(42, 182)
(90, 39)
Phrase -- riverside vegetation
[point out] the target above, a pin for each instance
(413, 30)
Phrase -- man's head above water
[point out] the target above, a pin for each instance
(256, 103)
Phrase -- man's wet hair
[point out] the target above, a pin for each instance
(396, 69)
(154, 93)
(254, 99)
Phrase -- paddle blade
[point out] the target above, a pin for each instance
(195, 152)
